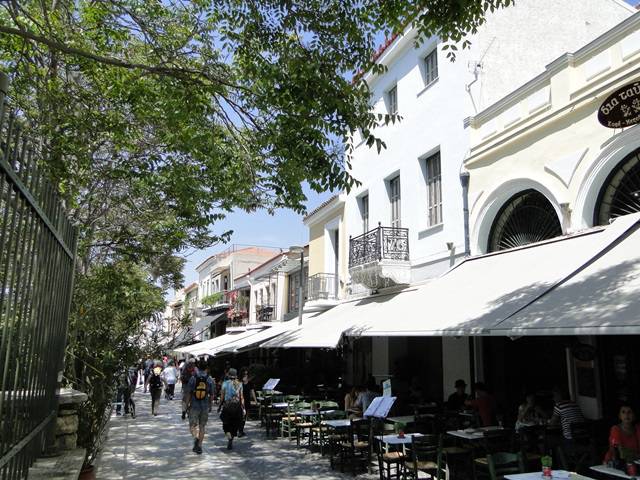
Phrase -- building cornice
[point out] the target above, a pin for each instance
(605, 40)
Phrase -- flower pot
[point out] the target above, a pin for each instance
(88, 472)
(546, 472)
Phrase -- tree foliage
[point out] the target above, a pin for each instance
(159, 117)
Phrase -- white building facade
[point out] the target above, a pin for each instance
(414, 183)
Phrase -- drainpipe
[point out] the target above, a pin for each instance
(464, 180)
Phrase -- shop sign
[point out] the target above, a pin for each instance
(621, 108)
(583, 352)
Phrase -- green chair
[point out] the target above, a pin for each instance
(504, 463)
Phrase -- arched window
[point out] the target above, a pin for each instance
(527, 217)
(620, 193)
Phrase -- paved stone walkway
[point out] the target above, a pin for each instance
(149, 447)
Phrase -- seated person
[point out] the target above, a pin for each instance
(565, 412)
(484, 404)
(625, 435)
(530, 413)
(364, 399)
(456, 399)
(350, 398)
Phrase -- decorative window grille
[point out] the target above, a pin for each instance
(434, 189)
(394, 197)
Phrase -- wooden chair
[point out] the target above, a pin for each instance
(504, 463)
(355, 452)
(494, 442)
(425, 455)
(288, 421)
(389, 461)
(532, 441)
(320, 433)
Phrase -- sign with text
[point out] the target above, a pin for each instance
(271, 384)
(386, 388)
(379, 407)
(621, 108)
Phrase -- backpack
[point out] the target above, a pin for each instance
(155, 381)
(201, 389)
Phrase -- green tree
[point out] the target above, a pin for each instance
(158, 117)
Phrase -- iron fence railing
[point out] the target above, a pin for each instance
(37, 253)
(264, 313)
(322, 286)
(381, 243)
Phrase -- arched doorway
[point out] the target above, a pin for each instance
(620, 193)
(525, 218)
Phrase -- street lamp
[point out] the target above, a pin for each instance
(300, 250)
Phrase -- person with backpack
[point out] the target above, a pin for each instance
(232, 406)
(200, 390)
(155, 387)
(148, 366)
(188, 371)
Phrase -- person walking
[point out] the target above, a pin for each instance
(200, 395)
(170, 377)
(249, 396)
(232, 405)
(148, 366)
(188, 371)
(155, 387)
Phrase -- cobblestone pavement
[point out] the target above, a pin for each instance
(159, 447)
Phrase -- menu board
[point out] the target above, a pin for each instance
(379, 407)
(271, 384)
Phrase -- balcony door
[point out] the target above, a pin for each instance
(394, 198)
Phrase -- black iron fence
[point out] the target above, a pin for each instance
(381, 243)
(37, 253)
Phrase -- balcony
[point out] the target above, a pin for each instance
(380, 258)
(321, 292)
(264, 313)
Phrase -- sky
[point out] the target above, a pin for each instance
(283, 229)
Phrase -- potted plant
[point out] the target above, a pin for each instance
(400, 428)
(546, 462)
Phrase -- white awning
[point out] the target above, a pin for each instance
(253, 341)
(214, 345)
(318, 330)
(603, 298)
(204, 322)
(482, 291)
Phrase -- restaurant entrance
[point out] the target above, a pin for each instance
(513, 368)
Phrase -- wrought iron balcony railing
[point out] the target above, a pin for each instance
(264, 313)
(322, 286)
(382, 243)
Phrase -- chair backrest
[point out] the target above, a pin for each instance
(328, 404)
(498, 440)
(504, 463)
(303, 406)
(360, 428)
(427, 448)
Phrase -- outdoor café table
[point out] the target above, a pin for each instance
(472, 434)
(611, 472)
(280, 405)
(393, 439)
(339, 423)
(406, 419)
(557, 474)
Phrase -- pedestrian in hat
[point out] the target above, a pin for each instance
(456, 399)
(232, 405)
